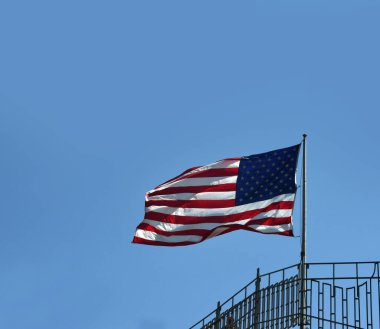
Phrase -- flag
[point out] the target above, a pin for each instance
(254, 193)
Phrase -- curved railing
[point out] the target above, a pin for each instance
(338, 295)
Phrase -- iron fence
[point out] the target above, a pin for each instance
(337, 296)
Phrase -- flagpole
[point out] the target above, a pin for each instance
(303, 266)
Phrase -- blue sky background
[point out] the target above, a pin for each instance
(102, 100)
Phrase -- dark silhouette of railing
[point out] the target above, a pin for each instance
(338, 296)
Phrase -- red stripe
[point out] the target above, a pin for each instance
(192, 203)
(175, 219)
(195, 189)
(205, 233)
(176, 177)
(231, 229)
(286, 233)
(217, 172)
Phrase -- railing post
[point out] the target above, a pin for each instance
(302, 311)
(217, 316)
(257, 301)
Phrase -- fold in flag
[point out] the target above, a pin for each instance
(254, 193)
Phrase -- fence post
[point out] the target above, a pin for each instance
(217, 316)
(302, 311)
(257, 301)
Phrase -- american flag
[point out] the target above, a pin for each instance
(254, 193)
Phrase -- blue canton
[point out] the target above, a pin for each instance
(266, 175)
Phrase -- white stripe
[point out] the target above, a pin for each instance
(201, 212)
(169, 227)
(222, 164)
(272, 229)
(195, 196)
(161, 238)
(203, 181)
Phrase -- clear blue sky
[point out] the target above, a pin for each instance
(102, 100)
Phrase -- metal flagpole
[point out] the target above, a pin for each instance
(303, 266)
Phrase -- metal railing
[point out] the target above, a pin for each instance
(339, 295)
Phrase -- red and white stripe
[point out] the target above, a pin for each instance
(200, 204)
